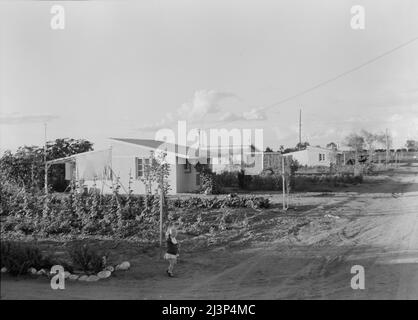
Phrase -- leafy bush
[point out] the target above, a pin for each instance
(232, 201)
(24, 225)
(265, 183)
(87, 259)
(227, 179)
(18, 258)
(115, 215)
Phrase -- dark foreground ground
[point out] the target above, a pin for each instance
(304, 253)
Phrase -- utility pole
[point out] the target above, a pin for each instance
(300, 128)
(387, 148)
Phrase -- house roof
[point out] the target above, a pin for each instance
(154, 144)
(312, 148)
(179, 150)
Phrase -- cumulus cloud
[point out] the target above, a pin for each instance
(395, 118)
(255, 114)
(229, 116)
(17, 118)
(204, 102)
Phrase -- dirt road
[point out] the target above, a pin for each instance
(375, 225)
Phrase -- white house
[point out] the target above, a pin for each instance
(126, 161)
(314, 156)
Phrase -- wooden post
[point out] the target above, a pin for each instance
(387, 149)
(46, 178)
(46, 164)
(283, 185)
(161, 209)
(300, 128)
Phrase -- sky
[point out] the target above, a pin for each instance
(126, 68)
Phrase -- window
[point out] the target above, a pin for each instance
(198, 179)
(139, 168)
(142, 165)
(321, 156)
(146, 165)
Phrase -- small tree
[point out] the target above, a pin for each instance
(207, 178)
(371, 140)
(156, 174)
(356, 143)
(412, 145)
(332, 146)
(302, 146)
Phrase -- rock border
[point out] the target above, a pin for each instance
(101, 275)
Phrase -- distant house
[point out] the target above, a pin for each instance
(314, 156)
(126, 161)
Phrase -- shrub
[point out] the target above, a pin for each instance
(86, 258)
(231, 201)
(358, 179)
(18, 258)
(24, 225)
(227, 179)
(9, 224)
(264, 183)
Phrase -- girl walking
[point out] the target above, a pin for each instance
(172, 249)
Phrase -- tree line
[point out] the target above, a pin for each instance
(26, 166)
(358, 142)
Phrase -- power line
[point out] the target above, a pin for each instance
(336, 77)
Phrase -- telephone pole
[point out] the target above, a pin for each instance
(387, 148)
(300, 128)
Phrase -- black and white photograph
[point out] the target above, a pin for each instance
(225, 152)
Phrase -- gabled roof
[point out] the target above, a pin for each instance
(155, 144)
(313, 148)
(179, 149)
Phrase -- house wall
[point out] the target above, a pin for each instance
(310, 157)
(313, 157)
(186, 182)
(254, 164)
(302, 157)
(124, 166)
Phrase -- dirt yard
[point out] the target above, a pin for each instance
(304, 253)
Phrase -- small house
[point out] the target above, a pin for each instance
(125, 164)
(314, 156)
